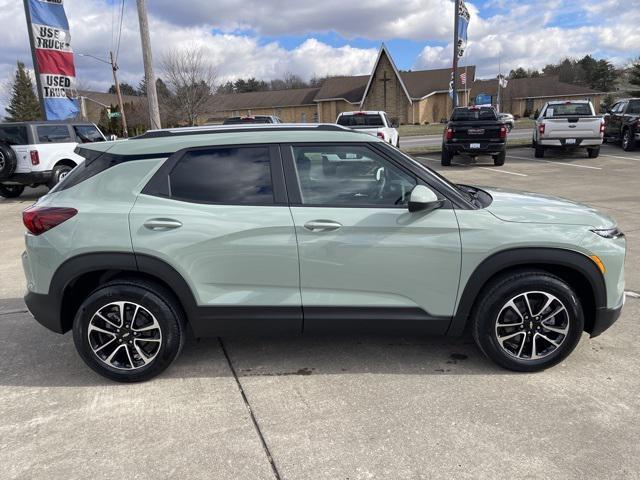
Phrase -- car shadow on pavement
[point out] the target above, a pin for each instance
(30, 195)
(31, 356)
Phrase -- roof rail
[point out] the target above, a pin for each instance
(208, 130)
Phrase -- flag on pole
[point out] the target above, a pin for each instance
(463, 78)
(53, 57)
(463, 25)
(503, 81)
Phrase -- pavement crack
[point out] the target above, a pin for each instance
(256, 425)
(13, 312)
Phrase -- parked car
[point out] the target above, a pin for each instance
(622, 123)
(40, 153)
(229, 233)
(508, 120)
(568, 126)
(474, 131)
(251, 119)
(374, 123)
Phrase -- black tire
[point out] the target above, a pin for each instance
(493, 303)
(628, 142)
(8, 161)
(155, 300)
(398, 142)
(11, 191)
(445, 160)
(539, 153)
(498, 160)
(509, 127)
(593, 152)
(58, 173)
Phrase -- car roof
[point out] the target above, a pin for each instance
(47, 122)
(363, 112)
(168, 141)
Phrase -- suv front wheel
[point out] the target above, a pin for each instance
(129, 330)
(528, 321)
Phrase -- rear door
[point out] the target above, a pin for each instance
(219, 217)
(366, 262)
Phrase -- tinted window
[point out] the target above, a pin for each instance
(471, 114)
(53, 134)
(634, 107)
(14, 135)
(242, 120)
(88, 134)
(361, 120)
(349, 176)
(240, 176)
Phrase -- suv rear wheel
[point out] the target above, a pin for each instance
(129, 330)
(11, 191)
(528, 321)
(58, 173)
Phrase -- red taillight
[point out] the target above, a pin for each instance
(40, 219)
(381, 135)
(541, 129)
(602, 127)
(449, 133)
(503, 132)
(35, 157)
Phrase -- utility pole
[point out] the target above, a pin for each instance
(150, 78)
(456, 13)
(114, 68)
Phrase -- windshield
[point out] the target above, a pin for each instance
(361, 120)
(470, 114)
(88, 134)
(562, 109)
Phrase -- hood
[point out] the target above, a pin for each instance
(524, 207)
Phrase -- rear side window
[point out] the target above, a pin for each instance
(88, 134)
(53, 134)
(361, 120)
(238, 176)
(14, 135)
(634, 107)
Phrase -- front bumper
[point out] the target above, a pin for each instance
(45, 310)
(29, 178)
(605, 317)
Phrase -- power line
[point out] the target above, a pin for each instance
(120, 30)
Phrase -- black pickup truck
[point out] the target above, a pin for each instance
(622, 123)
(474, 131)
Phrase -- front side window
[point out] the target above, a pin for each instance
(349, 176)
(53, 134)
(88, 134)
(239, 176)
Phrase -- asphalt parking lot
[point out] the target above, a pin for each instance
(336, 407)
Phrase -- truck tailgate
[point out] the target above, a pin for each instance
(572, 127)
(476, 130)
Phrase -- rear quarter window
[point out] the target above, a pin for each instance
(14, 135)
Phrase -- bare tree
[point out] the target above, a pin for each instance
(191, 80)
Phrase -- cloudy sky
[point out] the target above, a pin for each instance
(268, 38)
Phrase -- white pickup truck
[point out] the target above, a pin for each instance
(568, 125)
(374, 123)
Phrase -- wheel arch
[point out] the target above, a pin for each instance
(77, 277)
(573, 267)
(66, 161)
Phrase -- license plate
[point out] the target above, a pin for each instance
(570, 141)
(476, 131)
(474, 145)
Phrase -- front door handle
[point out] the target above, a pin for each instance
(162, 224)
(322, 226)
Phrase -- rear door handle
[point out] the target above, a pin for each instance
(322, 225)
(162, 224)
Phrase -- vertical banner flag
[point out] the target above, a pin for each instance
(51, 44)
(463, 26)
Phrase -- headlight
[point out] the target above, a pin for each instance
(609, 232)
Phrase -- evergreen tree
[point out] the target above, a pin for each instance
(125, 89)
(634, 77)
(24, 105)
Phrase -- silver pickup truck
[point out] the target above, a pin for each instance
(568, 125)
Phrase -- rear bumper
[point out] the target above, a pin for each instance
(45, 310)
(29, 178)
(484, 149)
(562, 142)
(605, 317)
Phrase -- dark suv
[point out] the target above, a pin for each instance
(622, 123)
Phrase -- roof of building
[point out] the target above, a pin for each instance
(350, 89)
(265, 99)
(550, 86)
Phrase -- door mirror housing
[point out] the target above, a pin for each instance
(423, 199)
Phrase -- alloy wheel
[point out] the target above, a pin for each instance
(2, 161)
(124, 335)
(532, 325)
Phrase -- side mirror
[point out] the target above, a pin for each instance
(423, 199)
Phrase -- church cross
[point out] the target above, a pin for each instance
(384, 81)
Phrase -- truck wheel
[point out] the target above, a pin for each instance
(593, 152)
(398, 142)
(8, 161)
(498, 160)
(11, 191)
(58, 173)
(539, 151)
(628, 144)
(528, 320)
(129, 330)
(445, 160)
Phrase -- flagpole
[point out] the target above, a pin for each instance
(36, 70)
(454, 96)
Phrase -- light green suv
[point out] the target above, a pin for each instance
(307, 229)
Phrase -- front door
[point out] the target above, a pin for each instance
(366, 262)
(219, 217)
